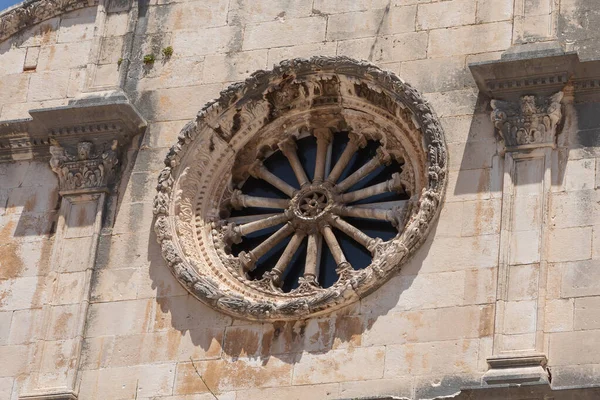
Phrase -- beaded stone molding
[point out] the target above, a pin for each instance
(232, 140)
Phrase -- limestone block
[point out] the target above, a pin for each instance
(576, 347)
(340, 366)
(63, 322)
(430, 325)
(453, 103)
(177, 103)
(115, 285)
(570, 244)
(492, 11)
(119, 317)
(22, 293)
(96, 352)
(580, 278)
(451, 217)
(302, 50)
(186, 312)
(223, 39)
(5, 320)
(574, 208)
(524, 247)
(386, 49)
(523, 282)
(342, 6)
(580, 174)
(370, 23)
(39, 89)
(14, 88)
(234, 67)
(116, 24)
(176, 72)
(6, 386)
(471, 155)
(480, 286)
(64, 56)
(111, 49)
(76, 81)
(184, 15)
(284, 33)
(586, 313)
(455, 41)
(326, 391)
(44, 33)
(163, 134)
(31, 199)
(437, 74)
(106, 75)
(134, 217)
(223, 376)
(269, 10)
(40, 174)
(128, 382)
(12, 60)
(448, 357)
(596, 242)
(72, 258)
(520, 317)
(559, 315)
(248, 341)
(172, 345)
(481, 217)
(77, 26)
(26, 326)
(446, 14)
(19, 359)
(416, 292)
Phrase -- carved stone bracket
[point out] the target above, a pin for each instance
(532, 122)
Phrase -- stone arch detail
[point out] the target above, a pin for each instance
(231, 137)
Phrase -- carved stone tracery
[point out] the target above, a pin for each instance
(232, 139)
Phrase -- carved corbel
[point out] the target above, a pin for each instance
(530, 123)
(85, 170)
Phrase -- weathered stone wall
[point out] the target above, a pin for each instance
(426, 333)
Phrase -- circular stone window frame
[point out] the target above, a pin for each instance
(245, 123)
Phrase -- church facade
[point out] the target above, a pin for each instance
(300, 199)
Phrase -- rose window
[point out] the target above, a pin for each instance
(300, 190)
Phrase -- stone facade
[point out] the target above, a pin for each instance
(503, 291)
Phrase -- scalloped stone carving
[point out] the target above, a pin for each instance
(232, 139)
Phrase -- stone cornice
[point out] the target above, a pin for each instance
(98, 121)
(31, 12)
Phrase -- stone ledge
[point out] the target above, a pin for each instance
(96, 119)
(537, 68)
(50, 396)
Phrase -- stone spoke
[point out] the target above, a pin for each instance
(239, 201)
(258, 170)
(334, 247)
(392, 185)
(313, 257)
(356, 142)
(288, 148)
(244, 219)
(265, 223)
(359, 236)
(323, 140)
(249, 259)
(284, 261)
(382, 158)
(392, 215)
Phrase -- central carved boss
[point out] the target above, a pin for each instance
(277, 181)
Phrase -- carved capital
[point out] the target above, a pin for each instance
(323, 134)
(531, 122)
(84, 169)
(356, 139)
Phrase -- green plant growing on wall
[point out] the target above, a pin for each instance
(119, 62)
(149, 59)
(167, 52)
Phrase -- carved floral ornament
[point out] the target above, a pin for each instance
(268, 201)
(532, 122)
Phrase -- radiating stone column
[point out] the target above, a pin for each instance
(528, 129)
(84, 176)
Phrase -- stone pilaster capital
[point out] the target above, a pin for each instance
(531, 122)
(323, 134)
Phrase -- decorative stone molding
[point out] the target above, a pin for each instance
(232, 138)
(85, 171)
(29, 13)
(99, 121)
(530, 123)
